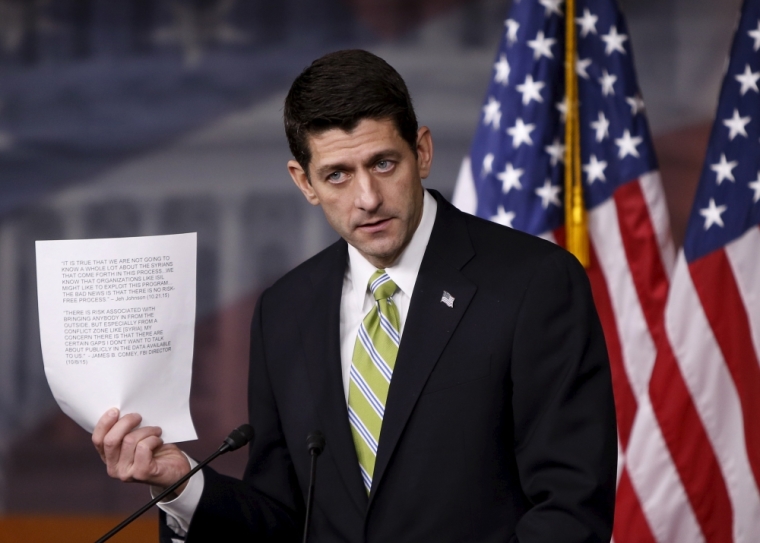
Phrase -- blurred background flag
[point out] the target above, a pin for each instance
(544, 133)
(696, 440)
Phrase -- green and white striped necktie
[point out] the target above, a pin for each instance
(371, 370)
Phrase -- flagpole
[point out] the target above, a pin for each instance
(576, 221)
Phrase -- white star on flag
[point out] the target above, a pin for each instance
(520, 133)
(531, 90)
(636, 103)
(580, 67)
(587, 23)
(510, 178)
(595, 170)
(756, 35)
(556, 151)
(562, 108)
(737, 125)
(512, 28)
(608, 81)
(492, 112)
(503, 217)
(614, 41)
(542, 46)
(502, 70)
(712, 214)
(755, 185)
(549, 194)
(488, 164)
(627, 145)
(602, 127)
(748, 80)
(724, 169)
(552, 6)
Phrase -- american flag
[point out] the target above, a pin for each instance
(514, 176)
(696, 441)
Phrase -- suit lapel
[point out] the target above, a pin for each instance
(429, 325)
(320, 330)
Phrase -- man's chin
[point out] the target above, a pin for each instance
(379, 255)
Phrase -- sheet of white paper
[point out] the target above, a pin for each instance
(117, 319)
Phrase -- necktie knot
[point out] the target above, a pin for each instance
(381, 285)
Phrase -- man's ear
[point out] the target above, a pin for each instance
(302, 182)
(424, 151)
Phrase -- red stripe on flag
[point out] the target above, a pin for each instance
(559, 237)
(643, 255)
(630, 522)
(627, 501)
(690, 447)
(625, 399)
(720, 297)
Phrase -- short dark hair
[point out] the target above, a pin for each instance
(341, 89)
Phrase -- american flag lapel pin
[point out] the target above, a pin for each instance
(447, 299)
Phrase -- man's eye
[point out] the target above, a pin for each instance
(384, 165)
(335, 177)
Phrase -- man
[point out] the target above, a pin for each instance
(456, 367)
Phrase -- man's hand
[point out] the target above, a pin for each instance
(137, 454)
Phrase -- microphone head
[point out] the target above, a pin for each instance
(315, 442)
(238, 437)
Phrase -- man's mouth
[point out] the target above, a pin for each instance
(374, 225)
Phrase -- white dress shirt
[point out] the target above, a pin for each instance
(356, 301)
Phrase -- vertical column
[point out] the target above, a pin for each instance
(150, 217)
(8, 321)
(230, 249)
(8, 342)
(74, 226)
(316, 233)
(702, 36)
(234, 312)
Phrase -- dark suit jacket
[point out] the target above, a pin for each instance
(499, 424)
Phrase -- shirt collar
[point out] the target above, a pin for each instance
(404, 271)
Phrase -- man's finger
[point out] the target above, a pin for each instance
(112, 442)
(144, 467)
(130, 443)
(105, 423)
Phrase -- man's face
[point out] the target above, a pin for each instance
(368, 182)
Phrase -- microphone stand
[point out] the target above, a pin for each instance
(316, 444)
(237, 438)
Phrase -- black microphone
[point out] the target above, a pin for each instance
(237, 438)
(315, 442)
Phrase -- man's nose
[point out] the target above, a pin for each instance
(368, 196)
